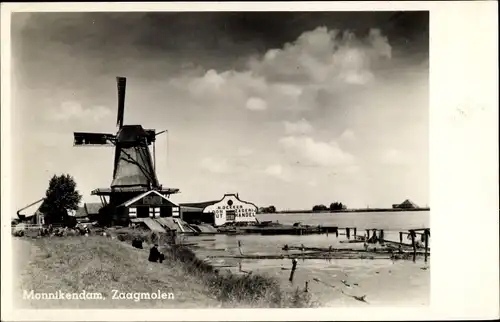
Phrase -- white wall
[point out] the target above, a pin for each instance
(244, 211)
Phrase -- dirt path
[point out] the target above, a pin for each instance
(22, 251)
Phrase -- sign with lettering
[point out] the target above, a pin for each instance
(232, 209)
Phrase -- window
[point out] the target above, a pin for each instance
(132, 212)
(154, 212)
(230, 215)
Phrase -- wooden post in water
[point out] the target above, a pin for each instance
(412, 235)
(294, 266)
(337, 232)
(367, 234)
(348, 233)
(239, 247)
(401, 237)
(354, 232)
(306, 289)
(426, 241)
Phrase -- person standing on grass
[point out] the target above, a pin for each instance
(155, 255)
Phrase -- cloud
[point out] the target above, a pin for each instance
(71, 110)
(321, 56)
(294, 77)
(274, 170)
(244, 152)
(312, 183)
(215, 165)
(256, 104)
(307, 150)
(209, 83)
(392, 157)
(299, 127)
(347, 136)
(277, 171)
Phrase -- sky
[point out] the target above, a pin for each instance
(290, 109)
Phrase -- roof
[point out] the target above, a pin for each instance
(81, 212)
(110, 191)
(131, 134)
(142, 195)
(92, 208)
(175, 224)
(34, 210)
(204, 204)
(150, 223)
(201, 205)
(408, 202)
(190, 209)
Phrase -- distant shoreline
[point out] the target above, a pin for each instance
(349, 210)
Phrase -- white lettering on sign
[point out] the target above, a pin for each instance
(231, 209)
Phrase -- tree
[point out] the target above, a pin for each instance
(61, 196)
(337, 206)
(319, 208)
(270, 210)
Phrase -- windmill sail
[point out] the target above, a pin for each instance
(134, 169)
(85, 138)
(121, 84)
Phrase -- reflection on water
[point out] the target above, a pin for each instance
(385, 281)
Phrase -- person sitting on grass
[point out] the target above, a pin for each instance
(155, 255)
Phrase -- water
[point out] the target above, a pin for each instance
(398, 220)
(382, 280)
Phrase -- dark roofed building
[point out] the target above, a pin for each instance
(407, 204)
(81, 214)
(92, 209)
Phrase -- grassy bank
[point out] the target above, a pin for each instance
(101, 265)
(247, 290)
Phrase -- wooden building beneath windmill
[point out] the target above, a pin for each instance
(135, 191)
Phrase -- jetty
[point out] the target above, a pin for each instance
(375, 246)
(278, 229)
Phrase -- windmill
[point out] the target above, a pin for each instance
(134, 170)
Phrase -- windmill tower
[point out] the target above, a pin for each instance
(134, 172)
